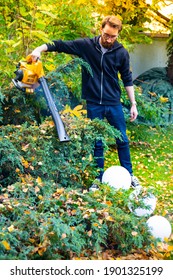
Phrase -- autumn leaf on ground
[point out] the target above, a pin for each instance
(6, 245)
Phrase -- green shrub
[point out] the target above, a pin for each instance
(41, 220)
(10, 162)
(68, 163)
(48, 212)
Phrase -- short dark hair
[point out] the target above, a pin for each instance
(113, 21)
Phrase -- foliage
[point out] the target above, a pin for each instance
(43, 155)
(46, 211)
(152, 108)
(42, 220)
(137, 17)
(55, 217)
(64, 84)
(25, 25)
(9, 161)
(133, 15)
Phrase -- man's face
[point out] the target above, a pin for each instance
(108, 36)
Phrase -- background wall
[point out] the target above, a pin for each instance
(145, 57)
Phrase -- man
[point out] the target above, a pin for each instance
(107, 58)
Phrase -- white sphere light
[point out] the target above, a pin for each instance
(149, 202)
(159, 227)
(117, 177)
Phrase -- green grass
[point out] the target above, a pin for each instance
(152, 159)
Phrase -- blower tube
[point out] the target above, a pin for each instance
(63, 137)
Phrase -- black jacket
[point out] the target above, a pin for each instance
(103, 86)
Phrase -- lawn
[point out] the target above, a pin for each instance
(152, 158)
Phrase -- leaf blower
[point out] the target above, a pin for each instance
(29, 75)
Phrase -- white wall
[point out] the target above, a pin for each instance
(145, 57)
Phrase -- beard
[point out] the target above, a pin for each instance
(105, 44)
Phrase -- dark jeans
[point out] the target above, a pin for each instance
(115, 117)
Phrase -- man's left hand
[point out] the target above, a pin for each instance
(133, 113)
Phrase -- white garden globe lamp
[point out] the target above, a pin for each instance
(149, 202)
(117, 177)
(159, 227)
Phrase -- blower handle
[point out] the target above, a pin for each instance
(63, 137)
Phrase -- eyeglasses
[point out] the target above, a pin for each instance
(107, 36)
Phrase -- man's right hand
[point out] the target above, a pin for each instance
(36, 54)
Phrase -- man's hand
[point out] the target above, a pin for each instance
(133, 113)
(36, 54)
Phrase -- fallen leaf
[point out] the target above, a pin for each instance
(6, 245)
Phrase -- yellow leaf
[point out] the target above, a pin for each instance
(78, 107)
(170, 248)
(95, 225)
(109, 203)
(50, 67)
(25, 147)
(32, 240)
(25, 163)
(77, 111)
(90, 157)
(72, 228)
(109, 218)
(163, 99)
(41, 251)
(59, 191)
(152, 93)
(165, 212)
(39, 181)
(73, 212)
(27, 212)
(34, 138)
(166, 239)
(11, 228)
(6, 245)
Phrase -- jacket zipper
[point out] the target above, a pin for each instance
(101, 85)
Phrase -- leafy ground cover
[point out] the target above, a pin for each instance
(46, 215)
